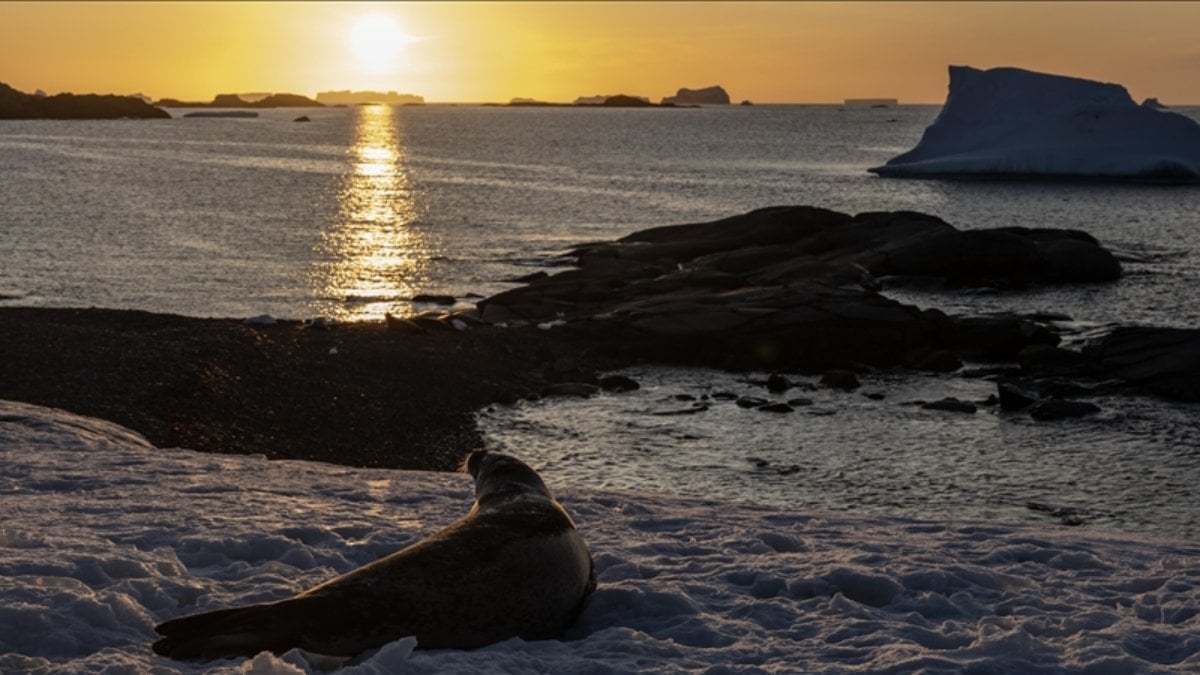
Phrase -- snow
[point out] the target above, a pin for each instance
(1008, 121)
(104, 536)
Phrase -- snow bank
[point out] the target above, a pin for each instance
(1013, 122)
(104, 536)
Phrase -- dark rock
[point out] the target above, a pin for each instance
(799, 402)
(1165, 361)
(777, 383)
(995, 338)
(1049, 359)
(725, 396)
(528, 278)
(302, 118)
(684, 397)
(618, 383)
(398, 325)
(18, 105)
(776, 408)
(840, 379)
(1076, 260)
(434, 298)
(576, 389)
(876, 395)
(1013, 397)
(698, 408)
(951, 404)
(223, 114)
(1057, 409)
(751, 402)
(933, 360)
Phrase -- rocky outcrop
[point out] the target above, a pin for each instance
(714, 95)
(793, 287)
(18, 105)
(236, 101)
(286, 101)
(1165, 361)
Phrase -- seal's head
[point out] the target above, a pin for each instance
(499, 475)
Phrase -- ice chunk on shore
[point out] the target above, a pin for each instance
(1009, 122)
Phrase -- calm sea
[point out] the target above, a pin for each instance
(351, 214)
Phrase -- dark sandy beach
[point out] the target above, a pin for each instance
(386, 398)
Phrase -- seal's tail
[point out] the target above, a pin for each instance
(228, 633)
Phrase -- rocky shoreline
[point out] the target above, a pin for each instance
(784, 289)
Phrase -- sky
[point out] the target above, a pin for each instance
(776, 52)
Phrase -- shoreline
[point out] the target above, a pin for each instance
(386, 398)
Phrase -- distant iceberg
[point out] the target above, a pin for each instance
(1008, 122)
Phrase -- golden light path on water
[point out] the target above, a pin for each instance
(372, 258)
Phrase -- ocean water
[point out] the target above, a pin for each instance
(352, 214)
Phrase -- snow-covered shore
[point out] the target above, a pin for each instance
(104, 536)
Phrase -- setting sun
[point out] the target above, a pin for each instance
(376, 40)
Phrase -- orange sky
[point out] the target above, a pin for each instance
(766, 52)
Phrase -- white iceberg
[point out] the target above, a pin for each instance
(1009, 122)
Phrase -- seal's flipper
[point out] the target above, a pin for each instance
(229, 633)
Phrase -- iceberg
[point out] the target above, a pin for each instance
(1014, 123)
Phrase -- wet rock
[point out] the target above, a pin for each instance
(1165, 361)
(725, 396)
(777, 383)
(434, 298)
(397, 325)
(684, 397)
(950, 404)
(1078, 260)
(576, 389)
(799, 402)
(840, 379)
(1050, 359)
(751, 402)
(1013, 397)
(776, 408)
(302, 118)
(1058, 409)
(876, 395)
(995, 338)
(1067, 515)
(697, 408)
(618, 383)
(933, 360)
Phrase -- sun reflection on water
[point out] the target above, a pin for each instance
(372, 259)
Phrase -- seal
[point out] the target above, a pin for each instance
(515, 565)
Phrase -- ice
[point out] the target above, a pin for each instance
(104, 536)
(1014, 122)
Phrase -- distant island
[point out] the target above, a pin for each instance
(347, 97)
(237, 101)
(871, 102)
(614, 101)
(714, 95)
(15, 105)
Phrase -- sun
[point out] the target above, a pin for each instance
(376, 40)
